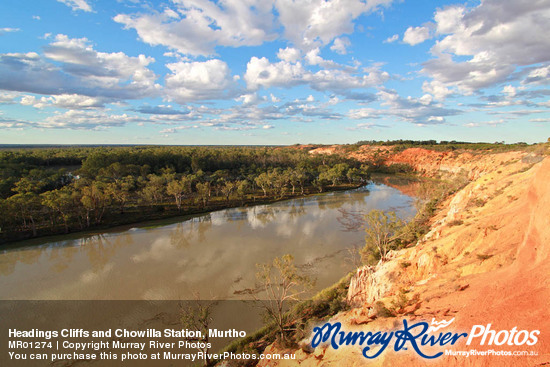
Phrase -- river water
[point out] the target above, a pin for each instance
(212, 256)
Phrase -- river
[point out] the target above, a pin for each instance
(212, 255)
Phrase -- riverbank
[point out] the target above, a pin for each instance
(147, 215)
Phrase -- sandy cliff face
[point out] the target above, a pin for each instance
(485, 260)
(430, 162)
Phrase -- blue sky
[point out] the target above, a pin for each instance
(273, 71)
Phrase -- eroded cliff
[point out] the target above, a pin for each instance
(485, 260)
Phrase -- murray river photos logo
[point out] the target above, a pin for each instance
(418, 336)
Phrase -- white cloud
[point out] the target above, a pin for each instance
(415, 110)
(68, 101)
(509, 90)
(289, 54)
(103, 69)
(437, 89)
(28, 100)
(79, 70)
(86, 120)
(250, 99)
(340, 45)
(195, 27)
(193, 81)
(313, 58)
(492, 40)
(538, 76)
(314, 23)
(262, 73)
(8, 97)
(8, 30)
(416, 35)
(448, 20)
(274, 99)
(75, 120)
(77, 5)
(391, 39)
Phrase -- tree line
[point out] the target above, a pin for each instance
(58, 190)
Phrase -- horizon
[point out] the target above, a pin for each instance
(272, 73)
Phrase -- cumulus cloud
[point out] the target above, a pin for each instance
(437, 89)
(260, 72)
(79, 69)
(416, 35)
(289, 54)
(193, 81)
(195, 27)
(315, 23)
(340, 45)
(77, 5)
(483, 46)
(8, 97)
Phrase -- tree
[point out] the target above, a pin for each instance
(59, 201)
(382, 231)
(282, 282)
(242, 188)
(278, 182)
(153, 191)
(228, 188)
(198, 317)
(27, 201)
(95, 199)
(264, 181)
(203, 191)
(179, 189)
(120, 191)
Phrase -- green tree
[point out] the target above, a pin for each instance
(179, 189)
(120, 191)
(153, 192)
(264, 182)
(95, 199)
(282, 282)
(203, 192)
(278, 181)
(60, 202)
(243, 186)
(382, 231)
(228, 188)
(198, 316)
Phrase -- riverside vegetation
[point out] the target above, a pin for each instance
(47, 191)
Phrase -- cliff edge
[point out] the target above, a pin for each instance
(484, 261)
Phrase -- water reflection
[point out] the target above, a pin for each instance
(213, 254)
